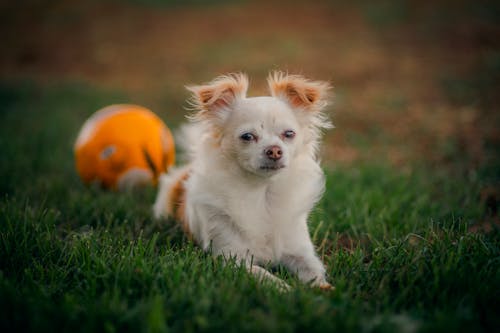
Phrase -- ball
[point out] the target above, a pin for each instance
(123, 146)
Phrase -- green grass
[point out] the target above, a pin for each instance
(72, 258)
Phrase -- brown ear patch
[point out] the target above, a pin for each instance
(298, 91)
(218, 97)
(301, 97)
(218, 93)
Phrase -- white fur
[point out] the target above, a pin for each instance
(237, 209)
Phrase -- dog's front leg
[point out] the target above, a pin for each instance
(300, 258)
(308, 268)
(227, 240)
(260, 273)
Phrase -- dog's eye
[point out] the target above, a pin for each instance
(289, 134)
(247, 137)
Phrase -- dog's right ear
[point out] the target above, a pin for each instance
(213, 100)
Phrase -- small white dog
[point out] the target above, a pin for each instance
(254, 175)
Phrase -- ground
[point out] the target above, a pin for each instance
(408, 225)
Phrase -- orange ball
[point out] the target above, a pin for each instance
(122, 146)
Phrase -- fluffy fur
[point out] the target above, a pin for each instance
(253, 175)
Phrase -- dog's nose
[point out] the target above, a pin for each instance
(273, 152)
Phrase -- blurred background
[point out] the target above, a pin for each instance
(414, 81)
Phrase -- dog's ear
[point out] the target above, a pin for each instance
(298, 91)
(212, 99)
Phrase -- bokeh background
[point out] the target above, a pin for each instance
(407, 227)
(414, 81)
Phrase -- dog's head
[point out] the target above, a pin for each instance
(263, 135)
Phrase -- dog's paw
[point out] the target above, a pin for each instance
(283, 287)
(278, 283)
(325, 286)
(266, 277)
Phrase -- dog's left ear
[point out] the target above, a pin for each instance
(298, 91)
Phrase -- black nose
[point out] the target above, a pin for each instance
(273, 153)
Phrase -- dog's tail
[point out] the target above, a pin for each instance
(171, 197)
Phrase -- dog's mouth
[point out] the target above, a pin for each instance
(272, 167)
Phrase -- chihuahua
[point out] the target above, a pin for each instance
(253, 175)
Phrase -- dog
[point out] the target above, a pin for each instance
(253, 175)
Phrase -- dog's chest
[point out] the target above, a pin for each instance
(259, 217)
(262, 215)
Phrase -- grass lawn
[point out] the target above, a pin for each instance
(398, 245)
